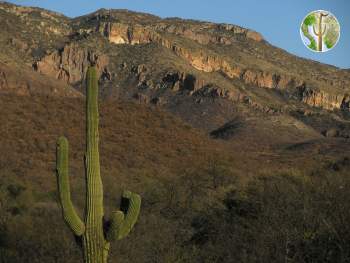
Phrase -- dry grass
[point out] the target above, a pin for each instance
(180, 172)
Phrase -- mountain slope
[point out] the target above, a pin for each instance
(207, 74)
(240, 59)
(239, 149)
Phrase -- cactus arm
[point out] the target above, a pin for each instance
(69, 214)
(314, 29)
(123, 221)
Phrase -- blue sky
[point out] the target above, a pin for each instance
(278, 21)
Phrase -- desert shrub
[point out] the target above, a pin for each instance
(279, 219)
(202, 214)
(194, 209)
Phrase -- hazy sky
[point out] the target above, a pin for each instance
(278, 20)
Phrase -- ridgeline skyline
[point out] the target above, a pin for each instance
(278, 22)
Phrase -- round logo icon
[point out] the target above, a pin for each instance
(320, 31)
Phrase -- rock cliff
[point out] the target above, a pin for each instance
(188, 57)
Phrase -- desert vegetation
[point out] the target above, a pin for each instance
(239, 150)
(204, 215)
(204, 210)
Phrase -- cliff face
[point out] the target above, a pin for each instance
(193, 43)
(118, 33)
(317, 98)
(191, 58)
(70, 63)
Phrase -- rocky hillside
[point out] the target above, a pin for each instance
(239, 150)
(157, 55)
(208, 74)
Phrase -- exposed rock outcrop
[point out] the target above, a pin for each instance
(193, 41)
(70, 64)
(214, 91)
(119, 33)
(184, 81)
(206, 33)
(317, 98)
(26, 82)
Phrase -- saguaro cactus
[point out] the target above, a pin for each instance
(95, 232)
(321, 31)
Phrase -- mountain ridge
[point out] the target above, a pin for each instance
(182, 66)
(185, 38)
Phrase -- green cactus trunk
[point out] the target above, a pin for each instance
(93, 240)
(95, 234)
